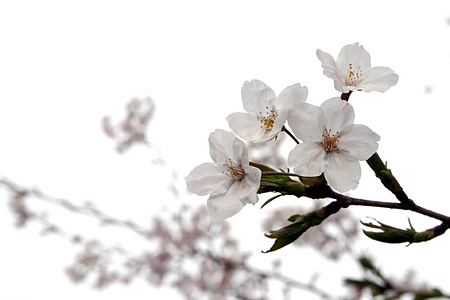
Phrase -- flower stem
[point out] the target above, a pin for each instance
(346, 96)
(279, 174)
(290, 134)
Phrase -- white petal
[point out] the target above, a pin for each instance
(249, 185)
(339, 113)
(378, 79)
(246, 126)
(359, 140)
(208, 178)
(355, 55)
(240, 155)
(278, 124)
(331, 71)
(220, 145)
(221, 207)
(308, 159)
(307, 121)
(294, 94)
(343, 171)
(256, 95)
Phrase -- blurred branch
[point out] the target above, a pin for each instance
(269, 275)
(88, 210)
(133, 128)
(188, 240)
(378, 285)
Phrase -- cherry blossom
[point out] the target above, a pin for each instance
(266, 113)
(230, 180)
(352, 71)
(332, 144)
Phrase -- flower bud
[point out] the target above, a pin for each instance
(390, 234)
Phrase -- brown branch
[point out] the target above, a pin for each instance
(347, 201)
(323, 190)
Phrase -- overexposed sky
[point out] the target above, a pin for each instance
(64, 65)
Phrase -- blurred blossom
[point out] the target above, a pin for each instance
(18, 206)
(141, 110)
(133, 128)
(268, 153)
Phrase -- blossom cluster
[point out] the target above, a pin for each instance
(331, 145)
(133, 127)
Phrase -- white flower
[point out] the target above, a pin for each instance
(266, 113)
(332, 144)
(230, 181)
(352, 71)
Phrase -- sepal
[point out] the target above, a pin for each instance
(282, 184)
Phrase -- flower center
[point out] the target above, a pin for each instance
(354, 76)
(267, 119)
(233, 170)
(330, 142)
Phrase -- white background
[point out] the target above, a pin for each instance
(66, 64)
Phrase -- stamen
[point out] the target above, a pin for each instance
(234, 170)
(267, 119)
(330, 142)
(354, 76)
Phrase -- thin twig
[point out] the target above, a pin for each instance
(290, 134)
(265, 274)
(279, 174)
